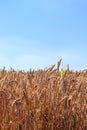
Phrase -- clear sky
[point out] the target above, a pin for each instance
(37, 33)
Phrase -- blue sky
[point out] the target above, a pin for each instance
(37, 33)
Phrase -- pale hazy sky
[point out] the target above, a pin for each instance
(37, 33)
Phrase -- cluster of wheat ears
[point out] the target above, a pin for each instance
(49, 99)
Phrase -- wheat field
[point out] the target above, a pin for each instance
(48, 99)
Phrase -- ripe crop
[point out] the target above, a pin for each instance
(49, 99)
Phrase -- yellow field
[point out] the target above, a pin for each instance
(47, 99)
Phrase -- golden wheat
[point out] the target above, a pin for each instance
(43, 100)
